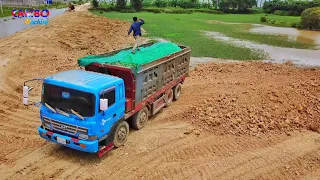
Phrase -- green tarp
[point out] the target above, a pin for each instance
(128, 59)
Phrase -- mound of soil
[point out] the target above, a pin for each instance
(253, 98)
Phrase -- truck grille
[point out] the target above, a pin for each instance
(64, 127)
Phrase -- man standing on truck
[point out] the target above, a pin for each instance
(136, 28)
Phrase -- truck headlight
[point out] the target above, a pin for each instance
(46, 125)
(83, 136)
(86, 137)
(93, 137)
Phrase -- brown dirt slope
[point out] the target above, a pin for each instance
(227, 125)
(261, 98)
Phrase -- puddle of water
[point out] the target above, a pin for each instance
(312, 37)
(221, 22)
(11, 26)
(276, 54)
(304, 36)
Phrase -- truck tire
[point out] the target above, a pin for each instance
(177, 92)
(169, 98)
(121, 134)
(140, 119)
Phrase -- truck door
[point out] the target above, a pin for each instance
(112, 114)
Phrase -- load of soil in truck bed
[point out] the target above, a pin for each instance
(128, 59)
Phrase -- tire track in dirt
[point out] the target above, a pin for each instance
(292, 170)
(42, 159)
(247, 165)
(313, 176)
(174, 154)
(206, 146)
(260, 162)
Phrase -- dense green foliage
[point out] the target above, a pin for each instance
(286, 13)
(175, 6)
(95, 3)
(241, 5)
(189, 4)
(176, 3)
(136, 4)
(280, 22)
(264, 19)
(181, 11)
(127, 11)
(160, 3)
(121, 4)
(147, 3)
(310, 19)
(291, 5)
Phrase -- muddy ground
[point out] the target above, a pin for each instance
(246, 120)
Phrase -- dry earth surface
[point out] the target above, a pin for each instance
(234, 121)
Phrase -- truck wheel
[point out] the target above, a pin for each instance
(121, 134)
(140, 119)
(177, 92)
(169, 97)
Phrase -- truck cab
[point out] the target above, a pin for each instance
(72, 111)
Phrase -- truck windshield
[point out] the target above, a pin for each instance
(68, 99)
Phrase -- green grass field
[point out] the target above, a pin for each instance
(6, 12)
(186, 29)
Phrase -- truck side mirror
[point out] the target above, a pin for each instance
(103, 104)
(26, 90)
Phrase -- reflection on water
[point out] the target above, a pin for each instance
(9, 26)
(275, 54)
(312, 37)
(304, 36)
(221, 22)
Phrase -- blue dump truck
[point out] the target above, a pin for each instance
(90, 109)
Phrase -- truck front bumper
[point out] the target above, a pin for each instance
(81, 145)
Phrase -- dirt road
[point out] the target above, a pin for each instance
(234, 121)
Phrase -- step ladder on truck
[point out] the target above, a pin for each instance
(90, 110)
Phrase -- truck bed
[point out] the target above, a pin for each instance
(144, 83)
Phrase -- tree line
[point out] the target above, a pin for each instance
(228, 6)
(289, 5)
(223, 5)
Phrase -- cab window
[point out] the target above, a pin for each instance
(109, 94)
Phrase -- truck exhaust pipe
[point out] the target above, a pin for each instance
(26, 95)
(26, 90)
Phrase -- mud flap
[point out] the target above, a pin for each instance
(105, 149)
(109, 140)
